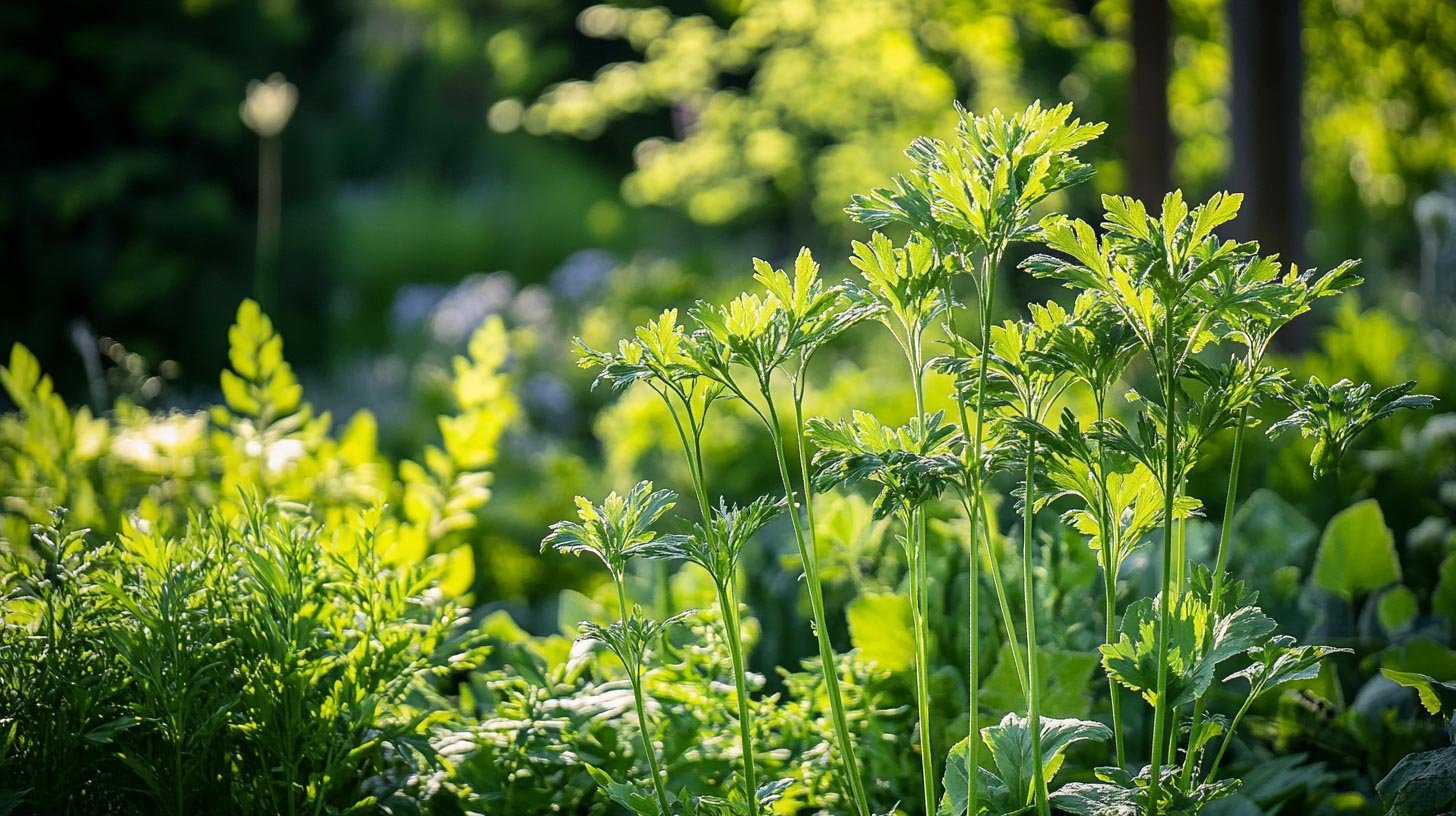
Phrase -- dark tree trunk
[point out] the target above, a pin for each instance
(1150, 139)
(1268, 73)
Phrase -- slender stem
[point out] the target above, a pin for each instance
(270, 195)
(810, 557)
(1013, 641)
(727, 595)
(1170, 487)
(1228, 737)
(1039, 789)
(659, 784)
(1220, 564)
(1110, 560)
(728, 604)
(919, 596)
(922, 661)
(973, 513)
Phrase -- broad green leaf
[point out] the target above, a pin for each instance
(1357, 552)
(1422, 784)
(1008, 788)
(879, 626)
(1435, 695)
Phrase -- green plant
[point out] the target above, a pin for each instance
(1162, 291)
(246, 664)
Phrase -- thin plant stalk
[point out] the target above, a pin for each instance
(808, 553)
(659, 785)
(1039, 789)
(1229, 736)
(1170, 487)
(1220, 564)
(919, 598)
(728, 604)
(998, 583)
(270, 195)
(974, 509)
(727, 596)
(1110, 551)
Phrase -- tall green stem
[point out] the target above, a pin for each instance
(1170, 488)
(808, 553)
(1013, 641)
(1110, 558)
(973, 514)
(728, 604)
(727, 599)
(919, 596)
(1220, 564)
(918, 608)
(659, 784)
(1039, 789)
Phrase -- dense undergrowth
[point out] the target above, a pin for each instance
(1065, 594)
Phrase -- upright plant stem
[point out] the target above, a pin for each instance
(728, 603)
(659, 785)
(1110, 545)
(919, 599)
(808, 553)
(1220, 564)
(973, 514)
(1170, 487)
(1013, 641)
(270, 194)
(1029, 593)
(1229, 735)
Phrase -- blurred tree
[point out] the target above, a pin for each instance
(790, 106)
(1380, 102)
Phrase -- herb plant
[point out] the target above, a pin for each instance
(1156, 296)
(242, 610)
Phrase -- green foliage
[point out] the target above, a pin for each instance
(237, 666)
(1199, 640)
(617, 529)
(879, 626)
(1334, 415)
(1007, 788)
(1357, 552)
(1435, 695)
(913, 464)
(303, 650)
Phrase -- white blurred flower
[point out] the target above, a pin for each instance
(162, 445)
(269, 105)
(282, 453)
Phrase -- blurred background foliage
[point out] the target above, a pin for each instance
(572, 168)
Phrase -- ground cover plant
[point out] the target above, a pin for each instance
(240, 610)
